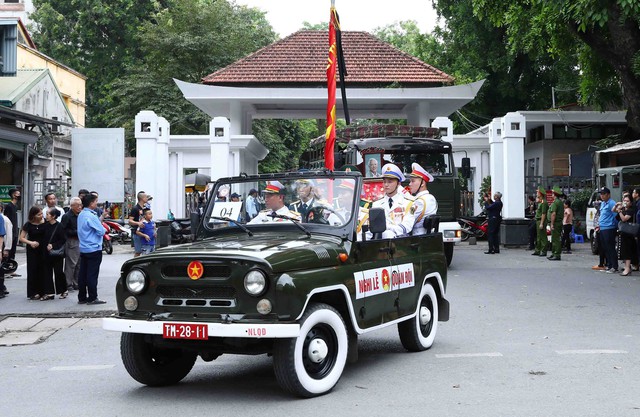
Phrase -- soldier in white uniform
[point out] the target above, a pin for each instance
(393, 202)
(274, 201)
(423, 204)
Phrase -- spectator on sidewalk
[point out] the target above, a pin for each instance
(147, 232)
(253, 206)
(608, 230)
(494, 216)
(69, 224)
(627, 248)
(90, 232)
(55, 239)
(51, 202)
(567, 226)
(530, 213)
(32, 235)
(135, 221)
(11, 211)
(5, 237)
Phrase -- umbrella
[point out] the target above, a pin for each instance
(196, 181)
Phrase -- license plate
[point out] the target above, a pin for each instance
(185, 331)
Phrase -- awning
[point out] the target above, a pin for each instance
(629, 146)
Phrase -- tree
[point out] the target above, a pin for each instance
(603, 38)
(286, 141)
(188, 40)
(94, 37)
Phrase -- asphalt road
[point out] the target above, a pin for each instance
(527, 337)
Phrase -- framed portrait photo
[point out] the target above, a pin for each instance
(372, 165)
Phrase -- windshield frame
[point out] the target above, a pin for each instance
(346, 231)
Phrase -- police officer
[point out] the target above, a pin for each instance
(541, 223)
(274, 201)
(421, 204)
(556, 211)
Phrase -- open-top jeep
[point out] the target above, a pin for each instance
(299, 285)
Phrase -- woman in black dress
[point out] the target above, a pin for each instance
(627, 243)
(55, 239)
(32, 235)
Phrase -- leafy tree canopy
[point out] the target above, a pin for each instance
(602, 37)
(94, 37)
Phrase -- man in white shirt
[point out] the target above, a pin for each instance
(306, 195)
(52, 202)
(422, 205)
(274, 201)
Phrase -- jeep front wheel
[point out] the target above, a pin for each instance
(419, 332)
(154, 366)
(312, 363)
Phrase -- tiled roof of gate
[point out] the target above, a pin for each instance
(301, 59)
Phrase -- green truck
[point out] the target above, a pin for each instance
(300, 287)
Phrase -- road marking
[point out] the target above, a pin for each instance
(468, 355)
(81, 368)
(588, 351)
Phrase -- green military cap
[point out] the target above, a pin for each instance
(541, 190)
(557, 190)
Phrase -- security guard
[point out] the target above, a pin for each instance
(556, 211)
(541, 223)
(274, 201)
(421, 205)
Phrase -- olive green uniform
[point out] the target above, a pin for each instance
(541, 238)
(556, 207)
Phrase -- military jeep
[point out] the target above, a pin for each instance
(299, 286)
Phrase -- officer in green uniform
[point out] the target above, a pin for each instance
(556, 211)
(541, 223)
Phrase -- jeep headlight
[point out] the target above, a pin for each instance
(255, 282)
(136, 281)
(449, 234)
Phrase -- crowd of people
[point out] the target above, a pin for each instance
(607, 224)
(63, 249)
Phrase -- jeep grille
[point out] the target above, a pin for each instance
(219, 296)
(210, 271)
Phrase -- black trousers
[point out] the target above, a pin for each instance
(566, 236)
(533, 233)
(55, 273)
(88, 277)
(493, 234)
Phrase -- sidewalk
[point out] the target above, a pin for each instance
(16, 303)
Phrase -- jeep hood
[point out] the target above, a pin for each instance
(283, 252)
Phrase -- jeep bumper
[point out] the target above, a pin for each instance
(246, 330)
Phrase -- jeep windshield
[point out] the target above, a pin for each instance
(308, 201)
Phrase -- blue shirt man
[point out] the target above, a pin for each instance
(607, 216)
(608, 226)
(90, 232)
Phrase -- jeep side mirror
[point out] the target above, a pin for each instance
(195, 224)
(466, 168)
(377, 221)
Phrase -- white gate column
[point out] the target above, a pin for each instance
(219, 140)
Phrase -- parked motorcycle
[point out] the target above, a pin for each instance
(106, 240)
(118, 232)
(476, 226)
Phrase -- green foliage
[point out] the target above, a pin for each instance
(603, 38)
(286, 141)
(94, 37)
(485, 188)
(579, 200)
(187, 41)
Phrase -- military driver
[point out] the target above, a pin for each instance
(274, 202)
